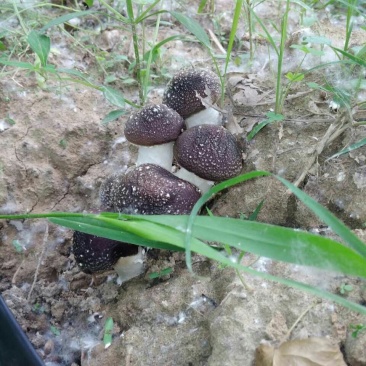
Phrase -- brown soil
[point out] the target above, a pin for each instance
(55, 157)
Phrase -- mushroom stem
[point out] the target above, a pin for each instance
(129, 267)
(208, 116)
(203, 184)
(161, 155)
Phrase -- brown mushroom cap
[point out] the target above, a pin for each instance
(154, 124)
(93, 253)
(181, 96)
(211, 152)
(149, 190)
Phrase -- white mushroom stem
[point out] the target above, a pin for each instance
(130, 267)
(208, 116)
(203, 184)
(158, 154)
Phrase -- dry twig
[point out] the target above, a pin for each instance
(45, 238)
(334, 130)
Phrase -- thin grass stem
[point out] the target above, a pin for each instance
(250, 30)
(21, 22)
(349, 24)
(135, 48)
(148, 65)
(279, 93)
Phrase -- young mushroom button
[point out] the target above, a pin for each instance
(154, 129)
(149, 189)
(186, 91)
(209, 152)
(95, 254)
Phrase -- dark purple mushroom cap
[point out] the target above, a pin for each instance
(105, 194)
(180, 93)
(211, 152)
(150, 190)
(94, 254)
(154, 125)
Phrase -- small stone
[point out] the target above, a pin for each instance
(58, 310)
(48, 347)
(277, 327)
(9, 264)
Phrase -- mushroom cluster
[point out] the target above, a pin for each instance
(187, 127)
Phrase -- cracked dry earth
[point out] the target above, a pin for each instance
(55, 157)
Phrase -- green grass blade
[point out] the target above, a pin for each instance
(219, 187)
(271, 118)
(302, 4)
(113, 115)
(65, 18)
(355, 59)
(328, 218)
(209, 252)
(280, 95)
(74, 72)
(108, 330)
(194, 27)
(147, 12)
(269, 37)
(112, 231)
(254, 215)
(275, 242)
(201, 6)
(21, 65)
(160, 44)
(40, 216)
(114, 96)
(176, 238)
(348, 149)
(234, 27)
(40, 44)
(299, 285)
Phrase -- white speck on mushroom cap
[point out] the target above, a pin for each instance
(151, 190)
(210, 152)
(153, 125)
(181, 92)
(94, 254)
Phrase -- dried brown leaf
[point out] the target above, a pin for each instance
(304, 352)
(264, 355)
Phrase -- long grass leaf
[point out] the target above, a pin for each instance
(194, 27)
(234, 27)
(328, 218)
(112, 231)
(65, 18)
(355, 59)
(219, 187)
(350, 148)
(209, 252)
(269, 37)
(275, 242)
(147, 12)
(160, 44)
(21, 65)
(176, 238)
